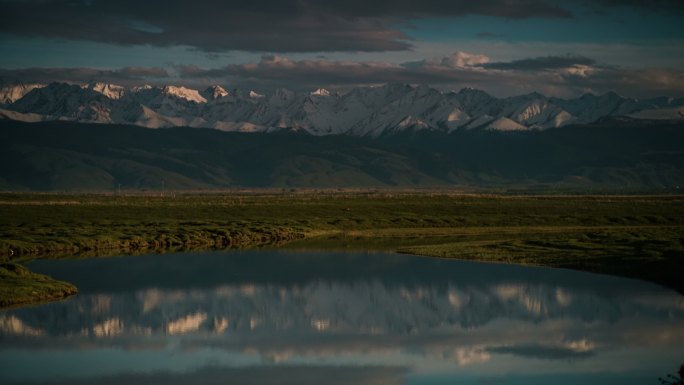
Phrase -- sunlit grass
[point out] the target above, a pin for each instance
(638, 236)
(20, 286)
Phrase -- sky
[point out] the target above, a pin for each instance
(506, 47)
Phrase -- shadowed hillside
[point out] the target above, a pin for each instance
(624, 156)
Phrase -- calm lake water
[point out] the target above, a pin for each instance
(265, 317)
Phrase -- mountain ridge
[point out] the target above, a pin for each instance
(363, 111)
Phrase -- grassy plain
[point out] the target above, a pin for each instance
(635, 236)
(19, 286)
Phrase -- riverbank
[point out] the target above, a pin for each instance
(651, 253)
(634, 236)
(22, 287)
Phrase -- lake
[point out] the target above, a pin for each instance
(273, 317)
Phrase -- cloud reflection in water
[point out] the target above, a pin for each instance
(379, 330)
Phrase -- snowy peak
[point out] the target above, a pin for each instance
(184, 93)
(470, 92)
(470, 98)
(111, 91)
(321, 92)
(255, 95)
(12, 93)
(145, 87)
(67, 102)
(505, 124)
(364, 111)
(214, 92)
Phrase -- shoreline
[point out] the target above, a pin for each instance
(630, 236)
(22, 287)
(60, 293)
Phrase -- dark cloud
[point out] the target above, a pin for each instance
(554, 76)
(517, 9)
(259, 25)
(333, 375)
(634, 82)
(666, 5)
(268, 25)
(278, 71)
(141, 72)
(211, 25)
(126, 75)
(543, 352)
(541, 63)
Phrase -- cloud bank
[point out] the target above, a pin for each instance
(264, 25)
(563, 76)
(125, 75)
(542, 63)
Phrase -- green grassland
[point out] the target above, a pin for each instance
(19, 286)
(635, 236)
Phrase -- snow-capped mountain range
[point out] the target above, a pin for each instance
(366, 111)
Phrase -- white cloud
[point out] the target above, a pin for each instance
(579, 70)
(462, 59)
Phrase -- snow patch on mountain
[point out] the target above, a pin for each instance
(214, 92)
(144, 87)
(255, 95)
(321, 92)
(111, 91)
(185, 93)
(67, 102)
(151, 119)
(365, 111)
(479, 122)
(10, 94)
(505, 124)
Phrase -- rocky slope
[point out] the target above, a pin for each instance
(369, 111)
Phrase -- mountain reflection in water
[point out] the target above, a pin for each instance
(266, 317)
